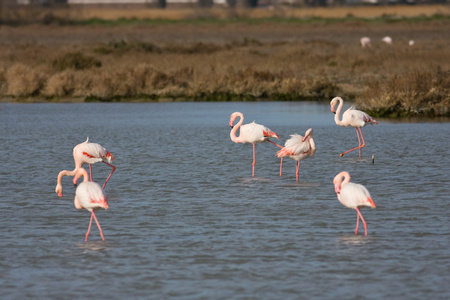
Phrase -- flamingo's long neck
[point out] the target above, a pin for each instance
(235, 128)
(64, 173)
(346, 180)
(338, 112)
(339, 183)
(81, 172)
(312, 145)
(59, 188)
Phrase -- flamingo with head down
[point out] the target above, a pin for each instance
(89, 153)
(352, 195)
(89, 195)
(352, 117)
(250, 133)
(298, 148)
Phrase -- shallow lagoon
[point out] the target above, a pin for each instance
(187, 220)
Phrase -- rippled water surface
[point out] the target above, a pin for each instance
(187, 220)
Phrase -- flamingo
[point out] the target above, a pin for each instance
(352, 117)
(352, 195)
(89, 195)
(89, 153)
(387, 40)
(250, 133)
(365, 42)
(298, 148)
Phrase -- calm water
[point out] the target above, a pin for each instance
(187, 220)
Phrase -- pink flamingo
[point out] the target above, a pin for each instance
(250, 133)
(298, 148)
(365, 42)
(352, 195)
(89, 195)
(89, 153)
(352, 117)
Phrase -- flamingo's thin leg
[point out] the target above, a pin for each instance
(275, 143)
(281, 163)
(89, 229)
(364, 222)
(254, 161)
(281, 167)
(359, 141)
(113, 169)
(98, 225)
(359, 147)
(362, 138)
(296, 172)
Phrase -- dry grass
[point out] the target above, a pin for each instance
(415, 93)
(232, 61)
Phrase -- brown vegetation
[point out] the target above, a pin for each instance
(232, 61)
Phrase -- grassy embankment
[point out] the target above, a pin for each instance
(214, 58)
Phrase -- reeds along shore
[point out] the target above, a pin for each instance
(286, 63)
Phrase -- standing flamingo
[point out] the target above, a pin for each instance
(250, 133)
(89, 195)
(352, 195)
(365, 42)
(352, 117)
(387, 40)
(89, 153)
(298, 148)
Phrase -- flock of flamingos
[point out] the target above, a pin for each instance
(89, 195)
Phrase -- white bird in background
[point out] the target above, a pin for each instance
(250, 133)
(387, 40)
(365, 42)
(411, 43)
(89, 195)
(352, 195)
(352, 117)
(298, 148)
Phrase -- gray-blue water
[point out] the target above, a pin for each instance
(187, 220)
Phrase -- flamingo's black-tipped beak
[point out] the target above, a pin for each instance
(231, 126)
(332, 109)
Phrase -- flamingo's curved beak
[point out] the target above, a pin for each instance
(109, 157)
(337, 188)
(332, 109)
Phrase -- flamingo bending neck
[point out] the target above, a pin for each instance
(81, 172)
(59, 189)
(338, 111)
(340, 180)
(235, 128)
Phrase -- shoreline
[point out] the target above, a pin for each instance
(203, 60)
